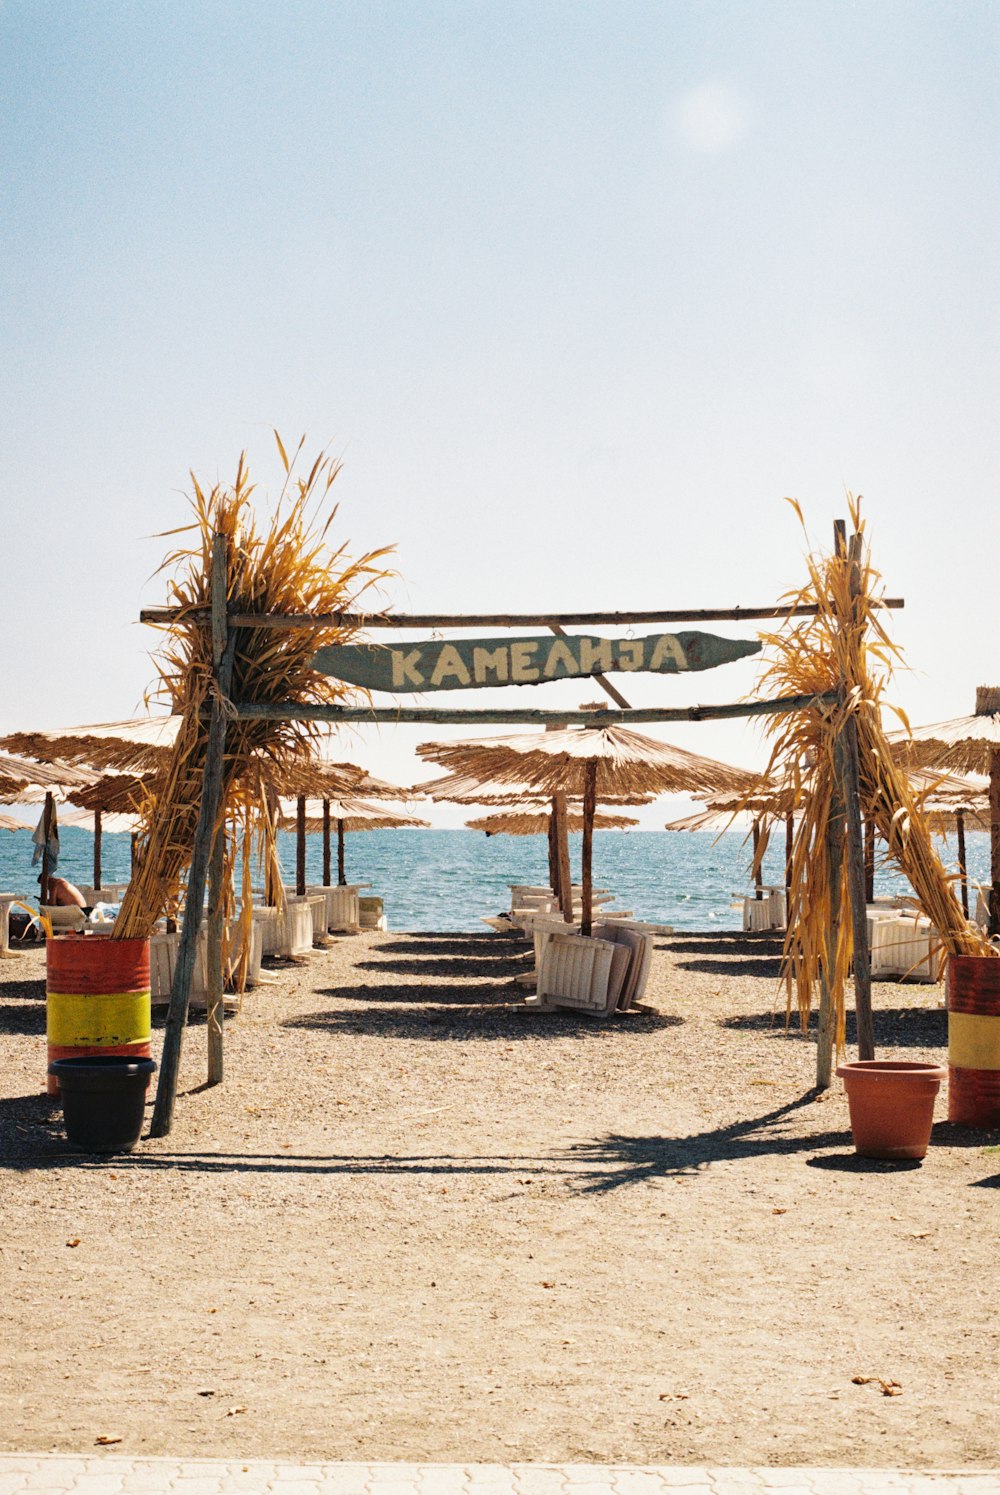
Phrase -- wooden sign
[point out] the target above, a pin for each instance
(470, 663)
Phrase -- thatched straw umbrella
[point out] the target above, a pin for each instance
(137, 745)
(348, 815)
(23, 781)
(316, 778)
(26, 782)
(968, 744)
(590, 763)
(126, 794)
(115, 823)
(466, 789)
(8, 823)
(950, 799)
(536, 823)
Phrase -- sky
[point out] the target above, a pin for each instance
(578, 291)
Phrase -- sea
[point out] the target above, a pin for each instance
(450, 879)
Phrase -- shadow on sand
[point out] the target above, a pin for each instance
(607, 1163)
(895, 1027)
(467, 1016)
(452, 967)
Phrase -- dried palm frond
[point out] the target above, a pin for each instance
(281, 567)
(844, 647)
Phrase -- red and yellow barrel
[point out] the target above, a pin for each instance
(97, 998)
(974, 1040)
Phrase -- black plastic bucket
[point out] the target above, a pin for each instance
(103, 1100)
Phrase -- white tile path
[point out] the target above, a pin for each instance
(112, 1474)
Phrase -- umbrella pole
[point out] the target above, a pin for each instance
(553, 855)
(586, 855)
(869, 861)
(326, 843)
(44, 892)
(789, 851)
(565, 879)
(341, 871)
(300, 846)
(97, 851)
(963, 876)
(994, 925)
(758, 880)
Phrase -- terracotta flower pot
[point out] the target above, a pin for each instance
(892, 1105)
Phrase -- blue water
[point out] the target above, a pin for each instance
(448, 879)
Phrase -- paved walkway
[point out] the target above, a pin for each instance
(110, 1474)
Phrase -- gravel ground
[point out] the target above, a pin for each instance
(420, 1222)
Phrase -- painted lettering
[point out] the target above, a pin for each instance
(405, 674)
(486, 660)
(560, 655)
(450, 664)
(522, 652)
(668, 646)
(631, 652)
(595, 656)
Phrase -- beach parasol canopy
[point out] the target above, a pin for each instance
(355, 815)
(138, 744)
(347, 815)
(467, 789)
(968, 744)
(113, 821)
(25, 782)
(591, 763)
(536, 822)
(624, 763)
(8, 823)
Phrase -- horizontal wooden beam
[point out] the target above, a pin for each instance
(296, 711)
(160, 615)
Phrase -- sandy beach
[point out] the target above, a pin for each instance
(421, 1222)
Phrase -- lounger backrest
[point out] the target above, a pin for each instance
(640, 947)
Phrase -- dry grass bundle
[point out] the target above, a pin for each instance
(284, 567)
(844, 645)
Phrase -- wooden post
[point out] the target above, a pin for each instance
(553, 855)
(301, 711)
(217, 862)
(48, 810)
(587, 850)
(300, 846)
(826, 1021)
(870, 861)
(835, 855)
(850, 771)
(963, 876)
(133, 847)
(789, 852)
(326, 843)
(994, 924)
(272, 871)
(159, 615)
(213, 956)
(758, 876)
(565, 889)
(98, 828)
(208, 815)
(341, 862)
